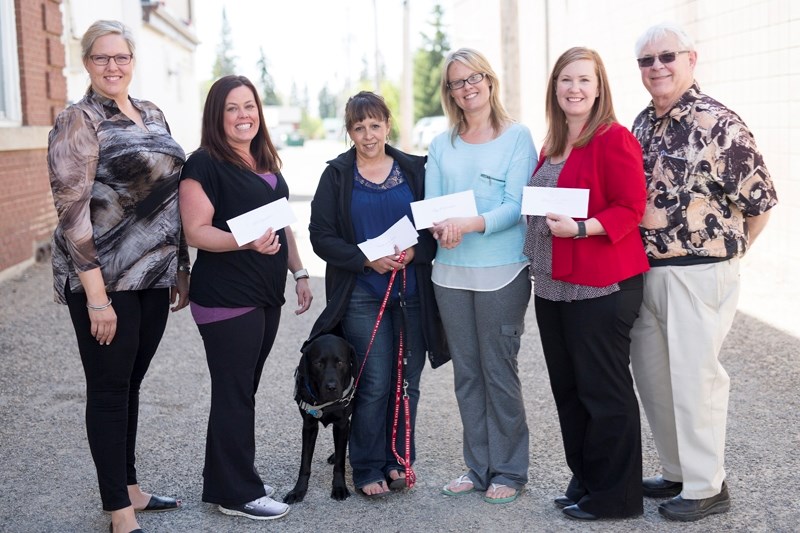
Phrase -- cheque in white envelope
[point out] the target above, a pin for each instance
(460, 204)
(249, 226)
(559, 200)
(402, 234)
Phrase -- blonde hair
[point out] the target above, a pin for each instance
(601, 115)
(477, 62)
(101, 28)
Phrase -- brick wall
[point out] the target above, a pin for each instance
(27, 216)
(41, 60)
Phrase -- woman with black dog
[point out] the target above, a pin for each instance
(362, 193)
(237, 291)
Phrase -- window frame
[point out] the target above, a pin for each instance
(11, 105)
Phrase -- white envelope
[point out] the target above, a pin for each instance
(402, 234)
(460, 204)
(249, 226)
(559, 200)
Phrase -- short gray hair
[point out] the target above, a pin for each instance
(654, 33)
(101, 28)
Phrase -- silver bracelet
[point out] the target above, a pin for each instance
(98, 307)
(300, 274)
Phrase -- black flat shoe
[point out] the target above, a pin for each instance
(658, 487)
(684, 510)
(158, 504)
(563, 501)
(575, 512)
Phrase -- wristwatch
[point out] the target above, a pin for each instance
(581, 230)
(301, 274)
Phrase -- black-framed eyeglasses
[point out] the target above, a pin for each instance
(666, 57)
(472, 80)
(119, 59)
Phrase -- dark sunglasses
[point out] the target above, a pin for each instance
(666, 57)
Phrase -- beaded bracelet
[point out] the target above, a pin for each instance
(98, 307)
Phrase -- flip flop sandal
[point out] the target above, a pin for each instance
(376, 495)
(507, 499)
(461, 480)
(397, 484)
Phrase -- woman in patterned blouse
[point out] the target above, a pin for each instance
(119, 258)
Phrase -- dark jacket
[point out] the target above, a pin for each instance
(333, 239)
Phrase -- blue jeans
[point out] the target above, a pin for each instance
(371, 455)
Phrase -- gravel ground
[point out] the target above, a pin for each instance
(49, 484)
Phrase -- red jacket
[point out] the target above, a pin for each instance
(611, 167)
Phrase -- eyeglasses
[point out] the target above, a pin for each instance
(119, 59)
(472, 80)
(666, 57)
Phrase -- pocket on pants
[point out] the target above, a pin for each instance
(509, 341)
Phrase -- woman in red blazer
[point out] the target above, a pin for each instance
(588, 287)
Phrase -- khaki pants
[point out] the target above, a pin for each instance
(686, 313)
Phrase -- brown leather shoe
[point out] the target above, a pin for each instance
(685, 510)
(658, 487)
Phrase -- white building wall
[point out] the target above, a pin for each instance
(165, 71)
(748, 58)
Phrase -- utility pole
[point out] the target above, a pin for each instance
(407, 92)
(509, 34)
(377, 52)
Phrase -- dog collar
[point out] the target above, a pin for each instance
(318, 410)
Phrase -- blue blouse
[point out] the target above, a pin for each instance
(375, 208)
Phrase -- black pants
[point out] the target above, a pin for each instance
(587, 349)
(114, 374)
(236, 350)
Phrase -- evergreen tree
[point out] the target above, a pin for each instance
(428, 62)
(327, 103)
(225, 63)
(268, 96)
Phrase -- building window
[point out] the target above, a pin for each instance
(10, 110)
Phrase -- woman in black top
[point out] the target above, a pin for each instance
(362, 193)
(237, 291)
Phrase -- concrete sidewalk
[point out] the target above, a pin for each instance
(48, 479)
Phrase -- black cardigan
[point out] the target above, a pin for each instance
(333, 240)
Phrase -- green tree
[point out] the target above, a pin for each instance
(225, 63)
(268, 95)
(428, 61)
(391, 95)
(327, 103)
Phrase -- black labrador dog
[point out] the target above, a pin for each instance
(324, 389)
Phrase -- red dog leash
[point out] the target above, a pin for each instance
(402, 385)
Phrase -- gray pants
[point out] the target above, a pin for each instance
(483, 331)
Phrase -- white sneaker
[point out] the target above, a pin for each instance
(269, 490)
(264, 508)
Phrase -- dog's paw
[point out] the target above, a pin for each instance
(340, 493)
(295, 496)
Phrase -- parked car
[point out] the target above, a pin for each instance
(426, 129)
(295, 138)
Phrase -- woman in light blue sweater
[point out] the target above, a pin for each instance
(480, 273)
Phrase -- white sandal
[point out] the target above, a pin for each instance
(460, 480)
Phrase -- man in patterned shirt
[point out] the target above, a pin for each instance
(709, 196)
